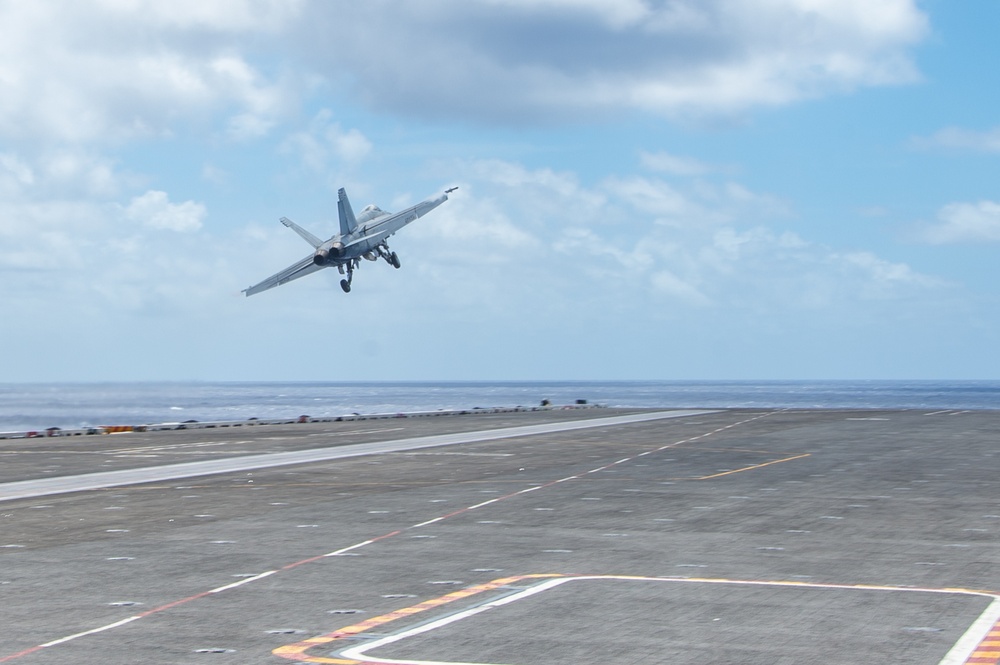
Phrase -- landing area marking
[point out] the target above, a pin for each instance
(976, 646)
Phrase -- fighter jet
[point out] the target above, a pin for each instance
(361, 237)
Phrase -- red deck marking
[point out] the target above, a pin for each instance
(988, 651)
(391, 534)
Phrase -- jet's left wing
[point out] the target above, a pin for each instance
(304, 267)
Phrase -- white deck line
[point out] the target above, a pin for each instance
(958, 655)
(970, 641)
(25, 489)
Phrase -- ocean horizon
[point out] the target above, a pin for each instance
(38, 406)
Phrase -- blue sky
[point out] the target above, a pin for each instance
(692, 189)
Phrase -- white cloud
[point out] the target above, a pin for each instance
(479, 231)
(15, 174)
(696, 203)
(70, 170)
(661, 199)
(882, 279)
(964, 223)
(61, 174)
(154, 210)
(673, 164)
(513, 255)
(215, 175)
(219, 15)
(695, 244)
(957, 138)
(669, 284)
(107, 71)
(510, 60)
(111, 70)
(618, 15)
(75, 258)
(325, 142)
(513, 175)
(247, 126)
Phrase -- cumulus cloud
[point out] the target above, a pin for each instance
(109, 70)
(964, 223)
(957, 138)
(64, 173)
(669, 284)
(881, 278)
(117, 69)
(481, 230)
(89, 174)
(15, 174)
(154, 210)
(693, 243)
(48, 236)
(663, 200)
(510, 61)
(325, 142)
(673, 164)
(696, 202)
(76, 256)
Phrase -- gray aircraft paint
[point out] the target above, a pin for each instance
(361, 236)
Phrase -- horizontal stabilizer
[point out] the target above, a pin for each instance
(309, 238)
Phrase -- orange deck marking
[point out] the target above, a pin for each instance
(750, 468)
(988, 651)
(297, 651)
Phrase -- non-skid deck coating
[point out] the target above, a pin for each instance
(716, 537)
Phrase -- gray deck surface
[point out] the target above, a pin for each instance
(733, 536)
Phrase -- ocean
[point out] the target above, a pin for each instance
(38, 406)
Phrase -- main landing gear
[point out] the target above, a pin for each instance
(346, 283)
(382, 250)
(389, 256)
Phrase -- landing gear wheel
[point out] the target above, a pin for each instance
(394, 260)
(344, 284)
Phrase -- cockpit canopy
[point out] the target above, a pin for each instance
(370, 212)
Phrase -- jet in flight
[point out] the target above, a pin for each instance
(360, 237)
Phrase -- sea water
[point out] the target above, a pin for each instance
(37, 406)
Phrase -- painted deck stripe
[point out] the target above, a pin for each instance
(979, 644)
(357, 655)
(290, 566)
(242, 582)
(24, 489)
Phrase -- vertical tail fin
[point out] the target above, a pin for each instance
(347, 221)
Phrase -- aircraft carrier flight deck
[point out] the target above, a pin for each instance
(551, 536)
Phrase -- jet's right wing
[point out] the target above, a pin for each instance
(304, 267)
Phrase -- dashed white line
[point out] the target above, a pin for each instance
(92, 631)
(244, 581)
(348, 551)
